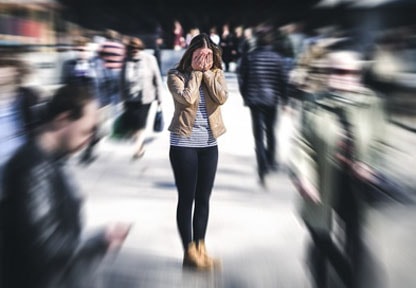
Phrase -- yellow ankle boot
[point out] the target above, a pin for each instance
(209, 261)
(193, 258)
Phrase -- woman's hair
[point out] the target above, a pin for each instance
(135, 44)
(200, 41)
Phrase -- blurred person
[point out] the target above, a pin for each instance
(20, 107)
(262, 83)
(334, 173)
(191, 34)
(198, 88)
(213, 34)
(159, 44)
(89, 68)
(20, 115)
(238, 42)
(178, 36)
(227, 43)
(112, 51)
(249, 41)
(141, 85)
(44, 240)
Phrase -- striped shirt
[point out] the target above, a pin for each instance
(113, 53)
(201, 135)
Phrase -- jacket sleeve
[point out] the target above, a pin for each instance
(242, 77)
(184, 91)
(216, 85)
(57, 245)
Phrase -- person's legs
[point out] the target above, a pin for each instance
(257, 118)
(207, 168)
(270, 123)
(138, 114)
(139, 146)
(184, 165)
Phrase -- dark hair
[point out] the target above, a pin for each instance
(200, 41)
(265, 34)
(69, 98)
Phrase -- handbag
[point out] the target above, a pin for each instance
(159, 122)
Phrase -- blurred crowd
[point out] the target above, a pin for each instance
(354, 114)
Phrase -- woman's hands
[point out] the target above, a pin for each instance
(202, 59)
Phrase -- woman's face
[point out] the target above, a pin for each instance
(205, 51)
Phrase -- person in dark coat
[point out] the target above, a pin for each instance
(44, 243)
(262, 83)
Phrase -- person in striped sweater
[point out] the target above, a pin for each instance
(198, 88)
(113, 52)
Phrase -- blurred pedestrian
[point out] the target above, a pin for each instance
(178, 36)
(198, 88)
(19, 117)
(113, 52)
(20, 112)
(213, 34)
(227, 43)
(45, 243)
(141, 85)
(89, 68)
(262, 85)
(193, 31)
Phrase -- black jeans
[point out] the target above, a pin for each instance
(263, 123)
(194, 170)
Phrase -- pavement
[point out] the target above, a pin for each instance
(253, 230)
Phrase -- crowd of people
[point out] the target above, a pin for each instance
(277, 68)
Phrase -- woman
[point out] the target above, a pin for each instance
(141, 84)
(198, 88)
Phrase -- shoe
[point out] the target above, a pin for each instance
(209, 261)
(193, 259)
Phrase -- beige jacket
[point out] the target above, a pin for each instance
(184, 88)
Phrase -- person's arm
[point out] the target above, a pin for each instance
(242, 77)
(216, 85)
(184, 91)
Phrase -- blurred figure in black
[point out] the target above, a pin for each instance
(20, 114)
(43, 242)
(262, 84)
(227, 43)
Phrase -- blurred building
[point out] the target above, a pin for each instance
(28, 22)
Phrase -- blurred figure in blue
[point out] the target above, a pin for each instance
(87, 67)
(113, 52)
(261, 79)
(44, 240)
(19, 113)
